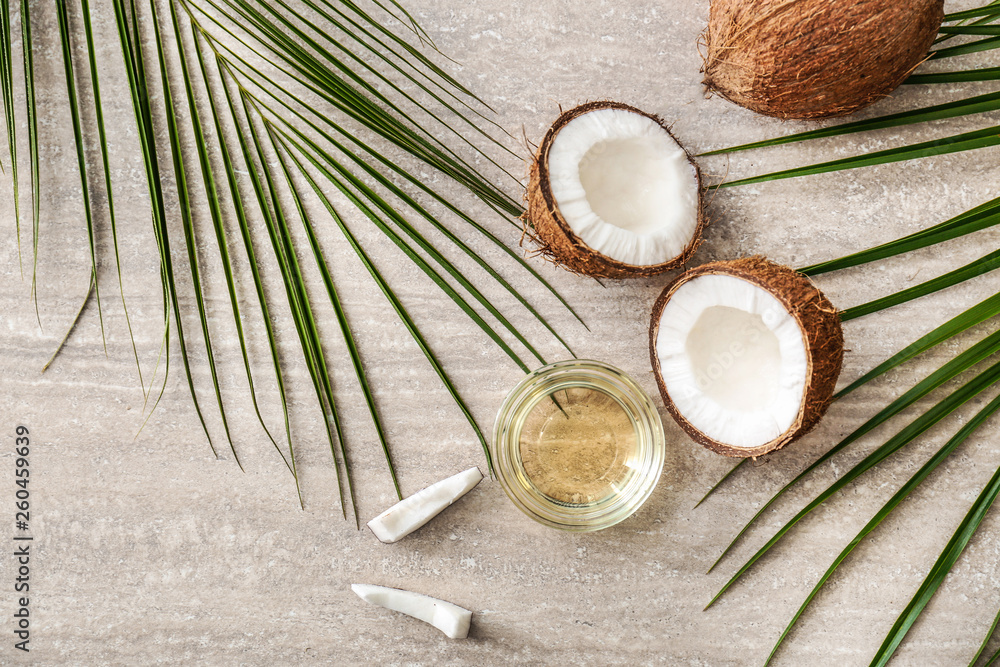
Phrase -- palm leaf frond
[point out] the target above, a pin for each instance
(957, 143)
(961, 436)
(29, 91)
(961, 363)
(918, 426)
(299, 81)
(956, 545)
(7, 95)
(81, 157)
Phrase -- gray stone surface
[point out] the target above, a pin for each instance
(150, 549)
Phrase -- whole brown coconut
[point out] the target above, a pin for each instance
(815, 58)
(728, 357)
(676, 178)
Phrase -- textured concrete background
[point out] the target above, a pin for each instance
(149, 549)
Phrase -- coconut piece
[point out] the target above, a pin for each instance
(815, 58)
(413, 512)
(612, 193)
(449, 618)
(746, 354)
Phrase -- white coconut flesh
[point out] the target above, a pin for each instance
(733, 360)
(624, 186)
(413, 512)
(449, 618)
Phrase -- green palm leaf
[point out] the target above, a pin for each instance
(29, 89)
(918, 426)
(887, 509)
(990, 9)
(222, 242)
(986, 640)
(971, 47)
(961, 76)
(67, 51)
(940, 569)
(961, 363)
(337, 56)
(966, 141)
(978, 218)
(7, 94)
(387, 291)
(964, 107)
(975, 268)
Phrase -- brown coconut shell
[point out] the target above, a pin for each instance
(820, 325)
(545, 225)
(815, 58)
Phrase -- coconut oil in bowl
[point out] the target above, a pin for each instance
(578, 445)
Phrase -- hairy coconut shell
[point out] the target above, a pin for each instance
(821, 332)
(815, 58)
(545, 225)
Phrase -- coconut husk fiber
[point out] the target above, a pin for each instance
(815, 58)
(821, 332)
(556, 241)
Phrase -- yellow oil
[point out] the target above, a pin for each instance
(577, 449)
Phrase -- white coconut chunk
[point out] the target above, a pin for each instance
(449, 618)
(413, 512)
(625, 186)
(733, 360)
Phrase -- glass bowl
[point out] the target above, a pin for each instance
(578, 445)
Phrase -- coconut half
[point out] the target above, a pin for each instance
(815, 58)
(613, 194)
(746, 354)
